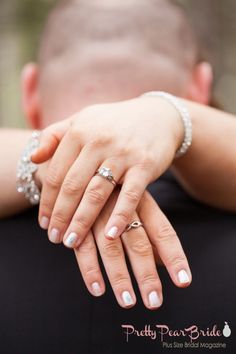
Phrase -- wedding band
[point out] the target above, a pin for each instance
(106, 173)
(133, 225)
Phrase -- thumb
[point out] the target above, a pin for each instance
(50, 140)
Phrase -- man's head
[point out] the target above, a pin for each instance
(101, 51)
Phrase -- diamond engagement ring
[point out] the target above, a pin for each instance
(106, 173)
(133, 225)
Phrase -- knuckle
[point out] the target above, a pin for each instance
(141, 248)
(91, 272)
(122, 152)
(132, 196)
(123, 217)
(148, 278)
(52, 180)
(81, 222)
(112, 250)
(59, 217)
(74, 133)
(119, 279)
(175, 260)
(45, 205)
(96, 195)
(166, 232)
(87, 247)
(146, 161)
(49, 133)
(98, 142)
(71, 187)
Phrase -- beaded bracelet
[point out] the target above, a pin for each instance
(184, 114)
(25, 171)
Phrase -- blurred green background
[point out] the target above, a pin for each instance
(21, 22)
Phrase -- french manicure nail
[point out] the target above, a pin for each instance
(44, 222)
(54, 236)
(96, 289)
(154, 300)
(127, 298)
(71, 240)
(183, 277)
(112, 232)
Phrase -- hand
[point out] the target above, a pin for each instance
(139, 244)
(136, 139)
(156, 241)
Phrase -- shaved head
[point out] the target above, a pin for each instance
(94, 51)
(160, 26)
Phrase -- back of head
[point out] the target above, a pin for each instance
(161, 26)
(95, 51)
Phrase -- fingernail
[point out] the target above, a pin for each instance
(112, 232)
(127, 298)
(183, 277)
(154, 300)
(71, 240)
(44, 222)
(96, 289)
(54, 236)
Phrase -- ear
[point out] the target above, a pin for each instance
(30, 95)
(201, 83)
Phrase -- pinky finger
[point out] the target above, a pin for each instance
(87, 259)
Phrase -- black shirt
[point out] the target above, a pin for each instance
(45, 307)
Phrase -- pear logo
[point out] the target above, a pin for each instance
(226, 330)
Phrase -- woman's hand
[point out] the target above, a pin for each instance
(137, 140)
(155, 242)
(156, 236)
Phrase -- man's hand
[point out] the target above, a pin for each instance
(156, 236)
(156, 241)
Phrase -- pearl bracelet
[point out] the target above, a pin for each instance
(184, 114)
(25, 170)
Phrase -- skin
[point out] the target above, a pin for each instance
(53, 93)
(39, 110)
(59, 188)
(100, 135)
(161, 231)
(140, 160)
(141, 247)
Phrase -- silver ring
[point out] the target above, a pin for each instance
(133, 225)
(106, 173)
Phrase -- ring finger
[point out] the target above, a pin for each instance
(95, 196)
(140, 253)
